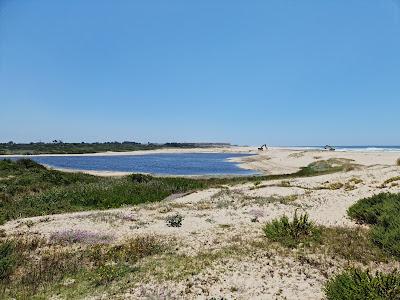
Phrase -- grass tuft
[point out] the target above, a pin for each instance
(290, 233)
(357, 284)
(7, 259)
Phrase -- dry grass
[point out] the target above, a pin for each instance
(390, 180)
(39, 266)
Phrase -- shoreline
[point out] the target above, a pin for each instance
(122, 173)
(232, 149)
(276, 160)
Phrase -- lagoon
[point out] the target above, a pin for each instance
(162, 164)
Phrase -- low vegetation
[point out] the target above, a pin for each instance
(333, 186)
(7, 259)
(390, 180)
(174, 220)
(350, 244)
(74, 269)
(292, 232)
(59, 147)
(28, 189)
(379, 244)
(398, 162)
(382, 212)
(358, 284)
(28, 270)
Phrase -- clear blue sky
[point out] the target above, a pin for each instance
(248, 72)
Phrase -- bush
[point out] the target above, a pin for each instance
(381, 211)
(398, 162)
(174, 220)
(29, 164)
(291, 233)
(356, 284)
(140, 178)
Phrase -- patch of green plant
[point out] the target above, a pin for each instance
(357, 284)
(328, 166)
(398, 162)
(352, 244)
(382, 212)
(7, 259)
(290, 233)
(96, 265)
(174, 220)
(105, 274)
(58, 147)
(32, 190)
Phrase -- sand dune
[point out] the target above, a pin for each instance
(217, 218)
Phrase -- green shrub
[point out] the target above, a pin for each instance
(7, 259)
(357, 284)
(398, 162)
(381, 211)
(291, 233)
(29, 164)
(174, 220)
(140, 178)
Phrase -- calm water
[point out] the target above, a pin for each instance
(171, 164)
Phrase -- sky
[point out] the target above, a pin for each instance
(280, 72)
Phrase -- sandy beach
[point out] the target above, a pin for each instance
(219, 217)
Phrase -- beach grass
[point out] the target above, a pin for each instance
(28, 270)
(358, 284)
(292, 232)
